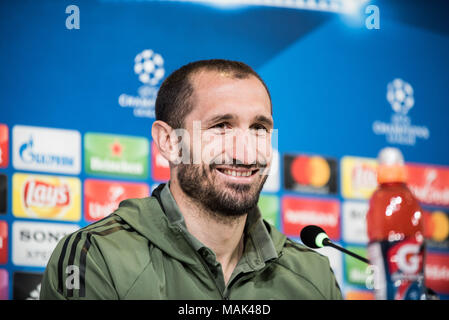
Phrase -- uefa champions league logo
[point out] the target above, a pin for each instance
(400, 96)
(400, 129)
(149, 67)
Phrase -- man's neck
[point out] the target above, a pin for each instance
(223, 236)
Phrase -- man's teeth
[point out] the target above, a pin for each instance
(238, 173)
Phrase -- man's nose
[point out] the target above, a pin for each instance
(243, 149)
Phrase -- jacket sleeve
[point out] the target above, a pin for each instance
(76, 270)
(335, 291)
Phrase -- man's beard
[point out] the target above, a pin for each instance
(224, 203)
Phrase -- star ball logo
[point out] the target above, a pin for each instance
(149, 67)
(400, 129)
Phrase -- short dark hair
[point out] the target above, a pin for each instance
(173, 101)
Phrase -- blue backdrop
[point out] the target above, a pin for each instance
(327, 72)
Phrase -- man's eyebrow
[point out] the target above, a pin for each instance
(263, 119)
(220, 117)
(230, 116)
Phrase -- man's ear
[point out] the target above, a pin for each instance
(161, 133)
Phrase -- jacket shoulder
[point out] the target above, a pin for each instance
(95, 262)
(312, 267)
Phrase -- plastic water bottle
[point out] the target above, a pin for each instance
(396, 245)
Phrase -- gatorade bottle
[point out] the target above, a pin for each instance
(395, 231)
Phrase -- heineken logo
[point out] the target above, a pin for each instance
(114, 155)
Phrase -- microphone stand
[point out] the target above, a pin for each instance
(327, 242)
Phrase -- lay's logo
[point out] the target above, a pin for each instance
(39, 194)
(358, 177)
(46, 197)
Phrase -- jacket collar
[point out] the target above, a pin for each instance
(164, 229)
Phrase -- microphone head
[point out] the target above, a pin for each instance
(313, 236)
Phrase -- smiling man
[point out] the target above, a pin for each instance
(201, 235)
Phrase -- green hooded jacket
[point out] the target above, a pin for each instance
(144, 251)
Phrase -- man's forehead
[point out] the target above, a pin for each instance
(210, 84)
(206, 80)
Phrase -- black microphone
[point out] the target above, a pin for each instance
(314, 237)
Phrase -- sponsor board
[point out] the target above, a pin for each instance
(298, 212)
(358, 177)
(359, 295)
(3, 193)
(436, 228)
(160, 167)
(4, 284)
(429, 184)
(26, 285)
(116, 155)
(310, 174)
(4, 146)
(357, 272)
(46, 149)
(33, 242)
(354, 221)
(335, 259)
(101, 197)
(437, 272)
(269, 208)
(272, 183)
(3, 242)
(46, 197)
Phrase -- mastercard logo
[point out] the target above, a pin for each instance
(310, 170)
(436, 226)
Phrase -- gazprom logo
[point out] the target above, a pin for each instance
(46, 149)
(29, 156)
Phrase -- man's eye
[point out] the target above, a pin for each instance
(259, 127)
(221, 125)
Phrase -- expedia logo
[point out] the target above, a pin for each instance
(46, 197)
(310, 174)
(149, 67)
